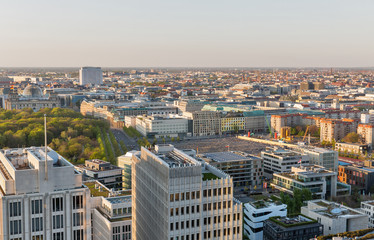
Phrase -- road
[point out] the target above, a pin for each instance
(120, 135)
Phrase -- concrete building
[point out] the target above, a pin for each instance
(104, 172)
(177, 197)
(255, 213)
(355, 148)
(368, 208)
(284, 228)
(321, 182)
(111, 218)
(366, 132)
(360, 177)
(335, 217)
(322, 157)
(367, 118)
(189, 105)
(205, 123)
(285, 120)
(245, 169)
(159, 126)
(278, 160)
(42, 198)
(125, 162)
(337, 129)
(32, 97)
(91, 76)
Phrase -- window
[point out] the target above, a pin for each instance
(58, 221)
(37, 224)
(15, 227)
(58, 236)
(77, 219)
(15, 209)
(78, 202)
(57, 204)
(36, 206)
(78, 234)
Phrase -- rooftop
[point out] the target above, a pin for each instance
(288, 222)
(228, 156)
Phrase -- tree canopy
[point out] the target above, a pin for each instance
(351, 138)
(69, 133)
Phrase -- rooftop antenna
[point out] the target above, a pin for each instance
(45, 147)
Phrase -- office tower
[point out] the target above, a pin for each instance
(42, 199)
(90, 75)
(177, 197)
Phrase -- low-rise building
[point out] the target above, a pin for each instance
(255, 213)
(321, 182)
(355, 148)
(360, 177)
(278, 160)
(160, 126)
(104, 172)
(334, 217)
(284, 228)
(245, 169)
(125, 162)
(368, 208)
(322, 157)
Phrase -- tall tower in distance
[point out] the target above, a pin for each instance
(90, 75)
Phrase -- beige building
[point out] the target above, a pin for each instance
(366, 132)
(178, 197)
(285, 120)
(355, 148)
(205, 123)
(337, 129)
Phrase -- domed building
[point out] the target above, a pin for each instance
(31, 97)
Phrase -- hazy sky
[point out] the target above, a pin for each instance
(188, 33)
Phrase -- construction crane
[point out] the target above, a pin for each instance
(306, 132)
(267, 122)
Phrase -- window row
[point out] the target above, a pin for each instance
(216, 192)
(184, 210)
(216, 205)
(184, 224)
(184, 196)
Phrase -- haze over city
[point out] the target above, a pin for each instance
(270, 33)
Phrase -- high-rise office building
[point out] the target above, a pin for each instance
(42, 198)
(176, 197)
(90, 75)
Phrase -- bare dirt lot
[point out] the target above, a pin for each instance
(219, 145)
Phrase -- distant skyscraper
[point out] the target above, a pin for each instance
(90, 75)
(176, 197)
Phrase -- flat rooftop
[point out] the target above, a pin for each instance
(334, 210)
(116, 200)
(292, 221)
(228, 156)
(174, 157)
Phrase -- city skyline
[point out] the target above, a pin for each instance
(194, 34)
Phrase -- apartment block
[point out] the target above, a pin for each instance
(177, 197)
(360, 177)
(337, 129)
(366, 132)
(368, 208)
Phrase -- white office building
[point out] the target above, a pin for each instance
(176, 197)
(255, 213)
(335, 217)
(323, 157)
(161, 126)
(90, 75)
(368, 208)
(42, 198)
(278, 160)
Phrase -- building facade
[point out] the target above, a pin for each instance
(42, 198)
(360, 177)
(366, 133)
(277, 160)
(177, 197)
(244, 169)
(90, 75)
(335, 217)
(256, 213)
(337, 129)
